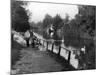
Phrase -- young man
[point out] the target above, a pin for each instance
(32, 38)
(27, 37)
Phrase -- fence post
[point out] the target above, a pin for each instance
(47, 45)
(52, 47)
(59, 50)
(69, 55)
(43, 42)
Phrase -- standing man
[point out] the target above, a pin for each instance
(31, 37)
(27, 37)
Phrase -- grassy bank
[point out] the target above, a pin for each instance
(15, 51)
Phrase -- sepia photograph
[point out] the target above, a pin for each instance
(52, 37)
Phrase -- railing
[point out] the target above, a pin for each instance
(46, 43)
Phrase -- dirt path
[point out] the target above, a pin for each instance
(33, 61)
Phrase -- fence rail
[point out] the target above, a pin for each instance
(46, 44)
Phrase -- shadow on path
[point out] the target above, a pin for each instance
(35, 61)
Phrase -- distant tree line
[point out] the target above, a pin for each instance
(82, 26)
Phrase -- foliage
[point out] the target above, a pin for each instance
(19, 17)
(57, 22)
(80, 28)
(47, 21)
(86, 19)
(82, 31)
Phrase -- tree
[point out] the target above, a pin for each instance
(80, 28)
(47, 21)
(57, 22)
(87, 24)
(86, 19)
(66, 20)
(71, 34)
(19, 17)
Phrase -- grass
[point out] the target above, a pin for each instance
(15, 52)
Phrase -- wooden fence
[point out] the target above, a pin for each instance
(46, 43)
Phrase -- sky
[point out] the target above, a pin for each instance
(39, 10)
